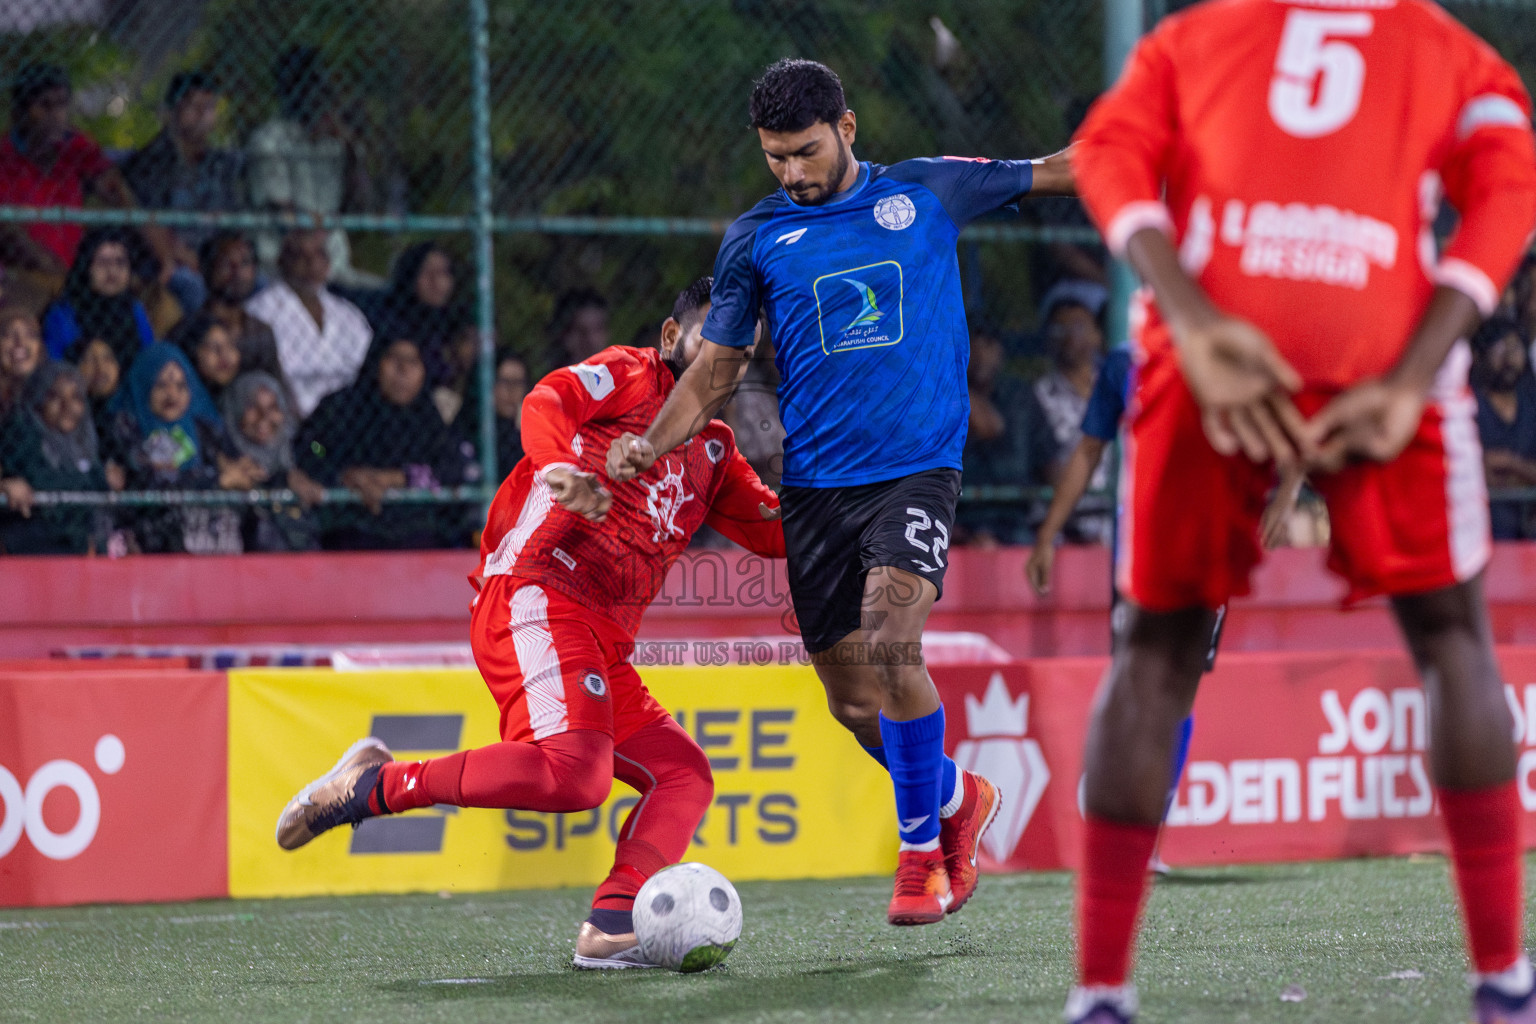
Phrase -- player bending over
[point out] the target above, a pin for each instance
(1106, 409)
(566, 570)
(1295, 153)
(855, 264)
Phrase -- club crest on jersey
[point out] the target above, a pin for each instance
(663, 500)
(895, 213)
(714, 448)
(595, 685)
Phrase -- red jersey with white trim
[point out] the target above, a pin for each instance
(616, 567)
(1297, 152)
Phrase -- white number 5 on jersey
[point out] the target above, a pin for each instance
(1301, 104)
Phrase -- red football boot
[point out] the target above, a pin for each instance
(960, 835)
(922, 888)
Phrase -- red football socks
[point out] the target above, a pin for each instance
(569, 772)
(1111, 887)
(1484, 830)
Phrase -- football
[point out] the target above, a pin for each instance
(687, 917)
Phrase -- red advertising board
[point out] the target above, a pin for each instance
(1295, 757)
(113, 786)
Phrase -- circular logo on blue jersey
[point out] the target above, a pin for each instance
(895, 212)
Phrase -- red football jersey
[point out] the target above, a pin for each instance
(1298, 150)
(616, 567)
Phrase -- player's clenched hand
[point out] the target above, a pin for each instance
(769, 514)
(579, 492)
(1242, 384)
(1374, 420)
(628, 457)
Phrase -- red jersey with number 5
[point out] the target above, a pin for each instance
(1298, 151)
(616, 567)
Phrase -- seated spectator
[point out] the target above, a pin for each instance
(382, 433)
(98, 301)
(228, 263)
(101, 374)
(579, 328)
(45, 162)
(508, 389)
(207, 343)
(175, 440)
(50, 443)
(1008, 444)
(308, 159)
(262, 426)
(21, 354)
(1076, 344)
(1506, 420)
(419, 304)
(181, 170)
(321, 337)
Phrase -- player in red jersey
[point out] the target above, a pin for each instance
(567, 568)
(1272, 169)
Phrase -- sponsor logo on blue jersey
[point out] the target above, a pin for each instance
(860, 307)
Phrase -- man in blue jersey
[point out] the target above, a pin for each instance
(854, 264)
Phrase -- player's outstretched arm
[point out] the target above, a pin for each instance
(1069, 491)
(1238, 377)
(1053, 175)
(701, 392)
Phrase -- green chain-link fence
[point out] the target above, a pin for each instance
(597, 147)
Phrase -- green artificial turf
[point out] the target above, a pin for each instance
(1367, 941)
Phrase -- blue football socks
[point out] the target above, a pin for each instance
(914, 753)
(949, 792)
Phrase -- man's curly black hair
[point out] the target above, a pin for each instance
(692, 299)
(794, 94)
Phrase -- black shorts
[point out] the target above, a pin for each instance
(833, 536)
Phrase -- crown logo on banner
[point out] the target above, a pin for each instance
(997, 713)
(998, 748)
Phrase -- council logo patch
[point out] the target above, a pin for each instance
(895, 213)
(595, 685)
(860, 307)
(714, 450)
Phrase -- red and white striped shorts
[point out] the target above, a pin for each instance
(553, 665)
(1189, 516)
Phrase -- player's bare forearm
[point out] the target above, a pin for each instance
(1053, 175)
(700, 393)
(1070, 488)
(1182, 302)
(1451, 314)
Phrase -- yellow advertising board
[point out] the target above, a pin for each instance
(795, 797)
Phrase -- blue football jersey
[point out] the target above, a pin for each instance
(863, 299)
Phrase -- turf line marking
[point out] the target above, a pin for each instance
(458, 981)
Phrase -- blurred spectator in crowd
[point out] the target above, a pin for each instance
(45, 162)
(1008, 444)
(50, 444)
(1076, 344)
(1506, 420)
(98, 301)
(308, 159)
(579, 328)
(175, 440)
(18, 288)
(228, 262)
(102, 376)
(211, 350)
(419, 304)
(262, 425)
(21, 354)
(321, 337)
(508, 389)
(383, 432)
(180, 169)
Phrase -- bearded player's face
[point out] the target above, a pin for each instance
(815, 164)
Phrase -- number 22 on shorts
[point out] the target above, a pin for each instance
(1302, 105)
